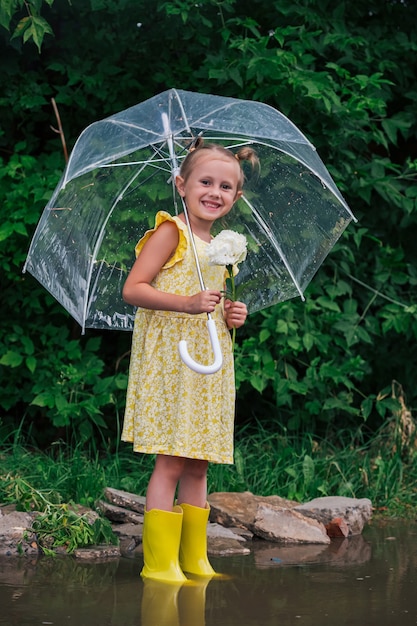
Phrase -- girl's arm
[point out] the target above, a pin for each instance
(138, 290)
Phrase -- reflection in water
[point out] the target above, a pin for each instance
(354, 582)
(354, 550)
(165, 604)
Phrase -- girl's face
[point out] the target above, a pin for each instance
(211, 187)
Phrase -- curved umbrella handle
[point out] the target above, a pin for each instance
(218, 357)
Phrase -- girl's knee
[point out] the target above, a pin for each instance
(196, 468)
(169, 465)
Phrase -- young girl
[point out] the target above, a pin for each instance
(183, 417)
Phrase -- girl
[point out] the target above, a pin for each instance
(183, 417)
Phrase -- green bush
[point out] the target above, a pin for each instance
(340, 72)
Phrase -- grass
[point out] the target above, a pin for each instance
(267, 461)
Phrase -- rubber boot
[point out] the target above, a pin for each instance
(160, 603)
(193, 546)
(161, 541)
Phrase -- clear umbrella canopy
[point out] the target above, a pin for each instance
(121, 172)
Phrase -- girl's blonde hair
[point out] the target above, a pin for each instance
(243, 154)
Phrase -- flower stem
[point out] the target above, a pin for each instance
(232, 298)
(233, 338)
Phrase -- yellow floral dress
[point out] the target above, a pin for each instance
(170, 409)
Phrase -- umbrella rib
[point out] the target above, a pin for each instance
(182, 111)
(264, 226)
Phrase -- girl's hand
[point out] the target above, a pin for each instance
(203, 302)
(235, 313)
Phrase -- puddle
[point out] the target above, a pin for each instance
(366, 580)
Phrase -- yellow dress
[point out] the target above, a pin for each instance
(170, 409)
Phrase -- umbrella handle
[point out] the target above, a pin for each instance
(218, 357)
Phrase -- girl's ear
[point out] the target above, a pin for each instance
(238, 195)
(179, 182)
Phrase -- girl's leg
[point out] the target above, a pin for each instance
(163, 483)
(193, 483)
(162, 525)
(192, 498)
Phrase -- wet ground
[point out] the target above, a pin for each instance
(366, 580)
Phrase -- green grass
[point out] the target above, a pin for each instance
(267, 461)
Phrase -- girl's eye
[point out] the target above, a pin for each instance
(227, 187)
(205, 182)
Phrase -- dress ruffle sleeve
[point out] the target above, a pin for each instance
(178, 255)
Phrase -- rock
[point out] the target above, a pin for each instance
(16, 537)
(355, 512)
(220, 532)
(224, 541)
(221, 546)
(287, 526)
(129, 530)
(118, 513)
(337, 528)
(239, 509)
(97, 552)
(126, 500)
(235, 518)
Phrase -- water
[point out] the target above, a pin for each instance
(367, 580)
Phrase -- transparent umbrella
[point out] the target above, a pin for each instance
(121, 171)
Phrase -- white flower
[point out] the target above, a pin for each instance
(228, 248)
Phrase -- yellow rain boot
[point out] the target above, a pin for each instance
(161, 540)
(193, 546)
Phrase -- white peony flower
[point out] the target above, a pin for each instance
(228, 248)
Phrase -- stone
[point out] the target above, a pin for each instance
(221, 546)
(129, 530)
(337, 527)
(94, 553)
(284, 525)
(220, 532)
(16, 536)
(118, 514)
(239, 509)
(126, 500)
(355, 512)
(234, 520)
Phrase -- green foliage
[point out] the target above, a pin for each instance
(25, 480)
(31, 26)
(61, 526)
(341, 73)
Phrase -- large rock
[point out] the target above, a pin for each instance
(355, 512)
(240, 508)
(118, 513)
(288, 526)
(125, 500)
(16, 536)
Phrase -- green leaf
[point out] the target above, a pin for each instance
(366, 406)
(31, 363)
(7, 8)
(45, 399)
(308, 341)
(326, 303)
(308, 469)
(11, 359)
